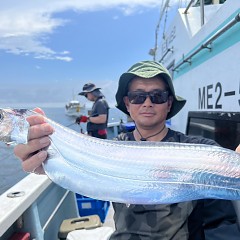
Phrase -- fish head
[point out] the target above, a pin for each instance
(13, 126)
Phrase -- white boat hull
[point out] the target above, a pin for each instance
(209, 80)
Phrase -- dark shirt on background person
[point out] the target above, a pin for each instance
(98, 118)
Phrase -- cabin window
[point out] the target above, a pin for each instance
(222, 127)
(208, 2)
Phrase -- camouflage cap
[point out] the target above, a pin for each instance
(147, 69)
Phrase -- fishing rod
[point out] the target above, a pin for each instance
(70, 124)
(81, 130)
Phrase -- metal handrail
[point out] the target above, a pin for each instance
(202, 12)
(171, 49)
(55, 210)
(188, 6)
(157, 29)
(166, 53)
(235, 20)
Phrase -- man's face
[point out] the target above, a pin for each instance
(90, 97)
(148, 114)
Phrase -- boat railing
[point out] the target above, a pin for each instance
(37, 206)
(188, 6)
(209, 41)
(166, 53)
(202, 15)
(201, 9)
(113, 129)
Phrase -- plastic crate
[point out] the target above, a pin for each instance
(71, 224)
(89, 206)
(128, 127)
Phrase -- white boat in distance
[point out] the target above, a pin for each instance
(74, 108)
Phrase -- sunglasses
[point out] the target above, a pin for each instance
(156, 96)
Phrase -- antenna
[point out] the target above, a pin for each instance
(154, 50)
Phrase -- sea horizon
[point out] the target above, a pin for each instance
(12, 166)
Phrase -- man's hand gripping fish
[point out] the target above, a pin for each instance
(131, 172)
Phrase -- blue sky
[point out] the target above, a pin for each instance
(50, 49)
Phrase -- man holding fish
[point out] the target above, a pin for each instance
(146, 93)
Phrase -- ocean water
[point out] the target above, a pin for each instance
(11, 169)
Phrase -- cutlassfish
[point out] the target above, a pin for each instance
(131, 172)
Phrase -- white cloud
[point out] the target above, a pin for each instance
(67, 59)
(65, 52)
(26, 27)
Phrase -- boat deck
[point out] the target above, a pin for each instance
(109, 218)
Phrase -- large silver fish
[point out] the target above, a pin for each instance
(131, 172)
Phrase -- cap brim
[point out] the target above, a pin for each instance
(83, 93)
(177, 105)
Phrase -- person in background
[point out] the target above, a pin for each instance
(98, 118)
(146, 93)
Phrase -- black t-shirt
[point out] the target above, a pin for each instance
(100, 107)
(193, 220)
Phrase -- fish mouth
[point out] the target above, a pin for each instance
(15, 112)
(13, 126)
